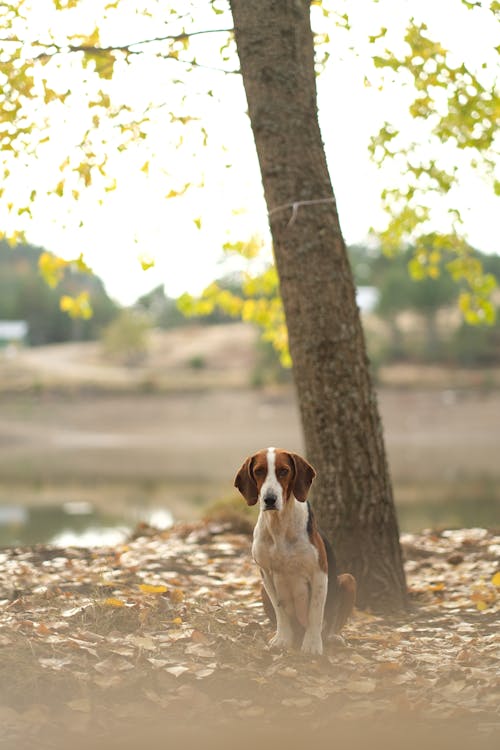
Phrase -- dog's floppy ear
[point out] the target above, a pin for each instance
(304, 475)
(246, 483)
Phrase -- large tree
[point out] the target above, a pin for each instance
(338, 406)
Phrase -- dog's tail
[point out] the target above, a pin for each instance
(343, 602)
(341, 595)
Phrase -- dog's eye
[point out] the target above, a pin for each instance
(283, 472)
(259, 472)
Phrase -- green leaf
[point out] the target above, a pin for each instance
(104, 61)
(380, 35)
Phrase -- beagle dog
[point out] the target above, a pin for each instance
(302, 593)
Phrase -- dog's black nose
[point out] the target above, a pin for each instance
(270, 501)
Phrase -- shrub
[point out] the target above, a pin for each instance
(126, 339)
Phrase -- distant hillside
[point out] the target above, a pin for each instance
(194, 358)
(187, 358)
(24, 295)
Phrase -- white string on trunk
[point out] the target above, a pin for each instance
(296, 205)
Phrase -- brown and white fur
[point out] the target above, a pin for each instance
(301, 591)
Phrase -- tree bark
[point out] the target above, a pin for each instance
(342, 428)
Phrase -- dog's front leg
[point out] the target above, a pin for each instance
(313, 642)
(283, 637)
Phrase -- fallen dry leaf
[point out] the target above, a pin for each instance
(113, 602)
(177, 671)
(365, 685)
(147, 588)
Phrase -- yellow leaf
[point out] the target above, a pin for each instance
(496, 579)
(15, 237)
(177, 621)
(85, 172)
(197, 222)
(146, 262)
(176, 193)
(76, 307)
(177, 595)
(437, 586)
(481, 606)
(112, 602)
(147, 588)
(80, 264)
(93, 39)
(104, 62)
(483, 594)
(51, 268)
(66, 303)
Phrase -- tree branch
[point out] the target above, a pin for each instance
(115, 48)
(53, 49)
(181, 37)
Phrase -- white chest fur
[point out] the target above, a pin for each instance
(284, 547)
(291, 574)
(288, 560)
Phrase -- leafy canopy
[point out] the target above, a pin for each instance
(454, 100)
(95, 94)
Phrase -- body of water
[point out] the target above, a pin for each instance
(79, 524)
(89, 517)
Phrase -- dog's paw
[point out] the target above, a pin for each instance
(281, 641)
(312, 644)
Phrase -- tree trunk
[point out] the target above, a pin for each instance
(342, 428)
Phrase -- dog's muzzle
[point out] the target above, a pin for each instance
(270, 502)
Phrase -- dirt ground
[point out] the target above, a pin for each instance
(145, 643)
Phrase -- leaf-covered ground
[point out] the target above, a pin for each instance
(166, 634)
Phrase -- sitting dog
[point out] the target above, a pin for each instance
(302, 593)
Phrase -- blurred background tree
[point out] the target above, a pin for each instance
(24, 295)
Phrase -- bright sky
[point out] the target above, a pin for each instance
(136, 218)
